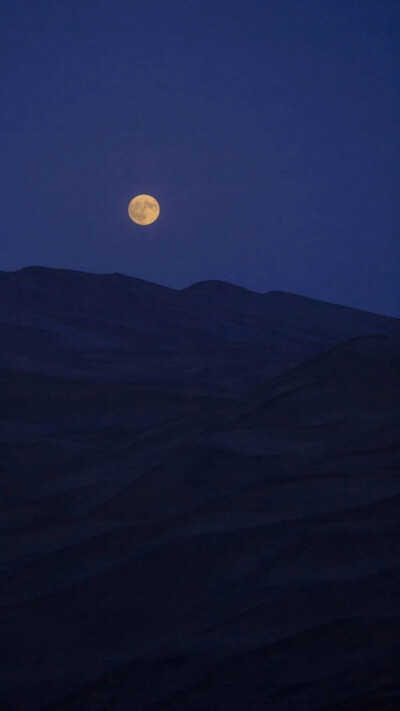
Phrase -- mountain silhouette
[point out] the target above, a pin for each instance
(200, 493)
(211, 337)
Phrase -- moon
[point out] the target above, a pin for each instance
(143, 209)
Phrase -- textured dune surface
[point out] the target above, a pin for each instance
(199, 499)
(211, 337)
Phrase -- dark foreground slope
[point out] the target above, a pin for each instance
(211, 337)
(218, 554)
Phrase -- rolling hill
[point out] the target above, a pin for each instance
(199, 499)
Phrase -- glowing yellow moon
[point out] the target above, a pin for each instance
(143, 209)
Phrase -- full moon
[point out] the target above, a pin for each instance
(143, 209)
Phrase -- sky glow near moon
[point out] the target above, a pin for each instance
(143, 209)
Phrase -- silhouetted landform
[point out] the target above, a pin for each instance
(211, 337)
(200, 499)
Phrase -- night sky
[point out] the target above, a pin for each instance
(267, 130)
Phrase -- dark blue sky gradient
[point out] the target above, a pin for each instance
(268, 131)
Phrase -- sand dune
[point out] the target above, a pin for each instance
(166, 550)
(211, 337)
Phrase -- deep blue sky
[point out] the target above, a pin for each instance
(268, 130)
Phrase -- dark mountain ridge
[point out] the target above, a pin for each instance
(166, 547)
(210, 337)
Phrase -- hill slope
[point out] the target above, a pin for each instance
(211, 337)
(172, 552)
